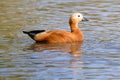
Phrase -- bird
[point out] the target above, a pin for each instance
(60, 36)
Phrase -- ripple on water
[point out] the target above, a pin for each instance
(21, 59)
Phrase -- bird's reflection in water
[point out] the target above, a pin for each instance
(75, 49)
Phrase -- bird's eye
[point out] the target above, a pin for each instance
(78, 15)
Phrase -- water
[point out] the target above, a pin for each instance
(96, 59)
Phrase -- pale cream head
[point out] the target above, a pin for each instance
(76, 18)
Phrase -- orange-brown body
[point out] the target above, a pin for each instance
(58, 36)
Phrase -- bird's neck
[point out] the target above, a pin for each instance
(75, 29)
(73, 25)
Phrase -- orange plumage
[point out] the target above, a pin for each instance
(58, 36)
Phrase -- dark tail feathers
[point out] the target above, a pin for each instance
(25, 32)
(33, 33)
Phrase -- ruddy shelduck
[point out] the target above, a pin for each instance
(60, 36)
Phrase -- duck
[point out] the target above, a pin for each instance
(60, 36)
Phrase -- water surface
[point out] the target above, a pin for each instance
(97, 58)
